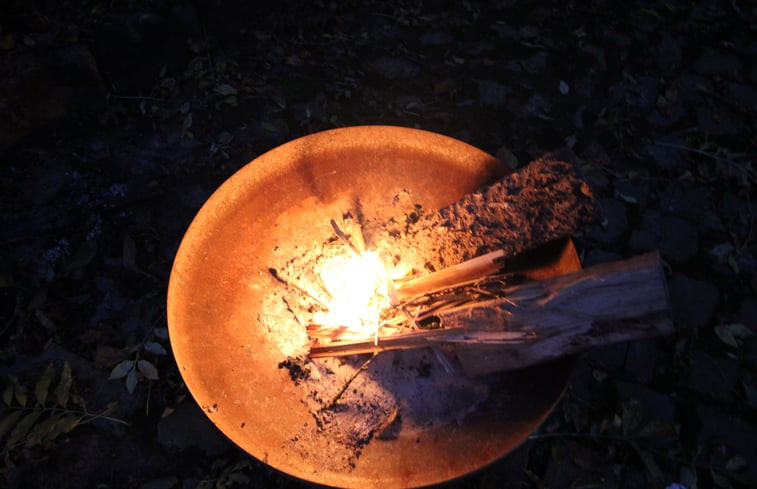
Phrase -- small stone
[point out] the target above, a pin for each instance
(315, 109)
(749, 352)
(655, 404)
(596, 256)
(732, 207)
(712, 377)
(195, 197)
(505, 31)
(595, 158)
(743, 95)
(564, 88)
(665, 118)
(713, 63)
(160, 483)
(507, 157)
(667, 157)
(491, 93)
(479, 49)
(675, 485)
(528, 32)
(513, 66)
(719, 121)
(536, 105)
(633, 191)
(719, 430)
(409, 102)
(7, 43)
(684, 200)
(668, 53)
(436, 38)
(271, 131)
(618, 40)
(76, 68)
(161, 40)
(584, 87)
(394, 68)
(691, 89)
(676, 238)
(48, 187)
(598, 54)
(578, 116)
(615, 224)
(560, 471)
(609, 357)
(640, 360)
(694, 301)
(535, 63)
(187, 427)
(748, 314)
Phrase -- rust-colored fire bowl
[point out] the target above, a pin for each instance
(399, 419)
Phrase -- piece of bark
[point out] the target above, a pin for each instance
(543, 201)
(542, 320)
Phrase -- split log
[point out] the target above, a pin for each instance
(604, 304)
(469, 270)
(541, 202)
(542, 320)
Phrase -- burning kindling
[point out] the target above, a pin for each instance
(472, 292)
(496, 326)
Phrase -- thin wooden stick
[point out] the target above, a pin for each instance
(347, 383)
(345, 333)
(294, 285)
(415, 339)
(453, 276)
(345, 239)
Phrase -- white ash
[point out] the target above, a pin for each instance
(399, 393)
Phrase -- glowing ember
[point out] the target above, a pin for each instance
(357, 288)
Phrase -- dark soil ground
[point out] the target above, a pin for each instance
(118, 119)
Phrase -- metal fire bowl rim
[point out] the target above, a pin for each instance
(228, 365)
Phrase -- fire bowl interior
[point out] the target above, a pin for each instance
(220, 279)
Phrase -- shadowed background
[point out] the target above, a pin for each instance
(117, 121)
